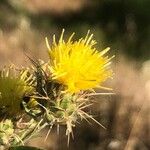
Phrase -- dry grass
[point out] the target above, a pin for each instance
(53, 6)
(23, 39)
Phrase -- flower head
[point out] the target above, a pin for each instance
(77, 64)
(13, 86)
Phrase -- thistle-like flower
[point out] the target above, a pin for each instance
(74, 66)
(77, 64)
(13, 86)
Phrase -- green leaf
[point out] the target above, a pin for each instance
(24, 148)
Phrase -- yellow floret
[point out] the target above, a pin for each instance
(77, 64)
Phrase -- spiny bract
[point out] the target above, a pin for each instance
(77, 64)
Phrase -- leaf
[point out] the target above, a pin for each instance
(24, 148)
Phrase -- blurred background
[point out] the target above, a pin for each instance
(123, 25)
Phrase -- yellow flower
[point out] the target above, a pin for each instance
(13, 87)
(77, 64)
